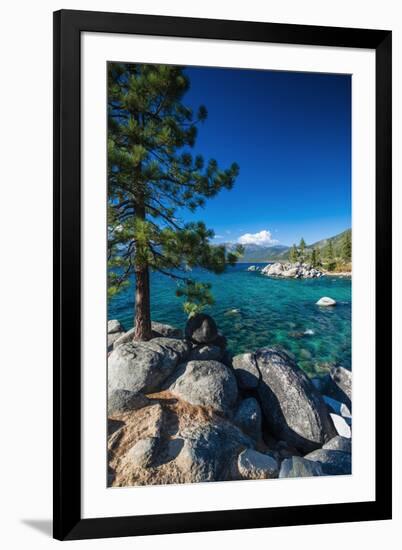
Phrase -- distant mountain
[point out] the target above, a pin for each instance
(256, 253)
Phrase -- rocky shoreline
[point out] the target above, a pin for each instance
(181, 410)
(295, 271)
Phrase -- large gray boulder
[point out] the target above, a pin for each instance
(341, 426)
(246, 371)
(174, 345)
(158, 330)
(294, 410)
(114, 326)
(201, 329)
(248, 417)
(342, 378)
(120, 401)
(143, 453)
(205, 353)
(124, 338)
(332, 462)
(114, 331)
(206, 383)
(112, 338)
(255, 465)
(210, 452)
(297, 466)
(140, 366)
(167, 331)
(339, 443)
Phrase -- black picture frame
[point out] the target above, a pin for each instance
(68, 522)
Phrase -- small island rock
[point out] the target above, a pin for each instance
(325, 301)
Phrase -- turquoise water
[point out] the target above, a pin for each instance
(253, 311)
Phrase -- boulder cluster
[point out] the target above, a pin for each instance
(181, 409)
(292, 271)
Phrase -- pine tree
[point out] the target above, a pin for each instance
(293, 254)
(302, 250)
(331, 263)
(318, 262)
(347, 247)
(313, 259)
(152, 175)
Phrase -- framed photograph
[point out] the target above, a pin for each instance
(222, 275)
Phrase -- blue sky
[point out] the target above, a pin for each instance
(290, 133)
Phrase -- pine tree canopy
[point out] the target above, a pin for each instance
(153, 176)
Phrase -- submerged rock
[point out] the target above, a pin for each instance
(332, 462)
(294, 410)
(246, 371)
(297, 466)
(201, 329)
(208, 383)
(255, 465)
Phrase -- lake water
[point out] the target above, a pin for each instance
(254, 311)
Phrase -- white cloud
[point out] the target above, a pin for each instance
(219, 237)
(263, 237)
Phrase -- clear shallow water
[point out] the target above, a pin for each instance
(254, 311)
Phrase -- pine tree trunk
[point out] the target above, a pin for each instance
(142, 320)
